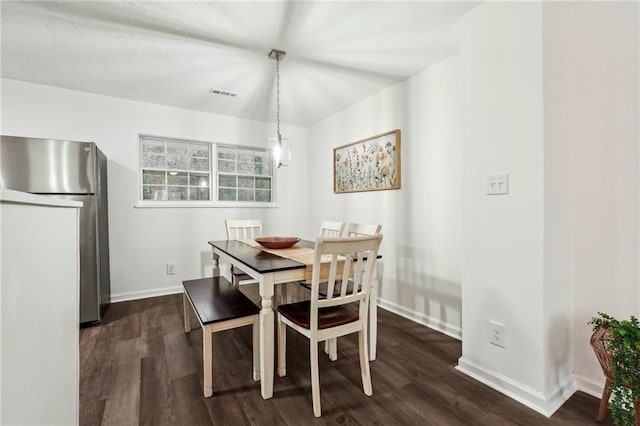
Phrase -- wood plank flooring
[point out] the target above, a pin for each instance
(139, 367)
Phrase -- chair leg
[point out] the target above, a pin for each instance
(282, 347)
(604, 401)
(284, 294)
(364, 362)
(207, 361)
(256, 348)
(315, 378)
(331, 348)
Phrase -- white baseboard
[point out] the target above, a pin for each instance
(590, 386)
(143, 294)
(545, 405)
(436, 324)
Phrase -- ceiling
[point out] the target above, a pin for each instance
(173, 53)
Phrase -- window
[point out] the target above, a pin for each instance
(174, 170)
(182, 170)
(244, 174)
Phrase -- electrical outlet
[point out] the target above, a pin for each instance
(171, 268)
(497, 334)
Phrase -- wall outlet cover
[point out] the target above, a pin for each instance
(498, 334)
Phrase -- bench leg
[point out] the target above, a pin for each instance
(207, 361)
(186, 306)
(256, 348)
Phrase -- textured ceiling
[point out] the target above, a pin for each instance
(173, 53)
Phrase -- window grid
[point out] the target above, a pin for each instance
(175, 170)
(244, 175)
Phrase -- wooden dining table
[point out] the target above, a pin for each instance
(270, 269)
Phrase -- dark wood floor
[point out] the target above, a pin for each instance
(139, 367)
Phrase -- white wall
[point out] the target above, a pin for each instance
(549, 95)
(421, 221)
(39, 313)
(502, 131)
(143, 241)
(591, 53)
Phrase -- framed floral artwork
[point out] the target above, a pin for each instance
(371, 164)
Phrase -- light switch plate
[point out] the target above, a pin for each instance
(171, 268)
(498, 184)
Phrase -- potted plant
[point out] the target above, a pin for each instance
(622, 343)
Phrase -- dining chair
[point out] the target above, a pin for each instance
(240, 229)
(350, 230)
(359, 229)
(331, 229)
(322, 318)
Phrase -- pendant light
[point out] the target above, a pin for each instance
(280, 147)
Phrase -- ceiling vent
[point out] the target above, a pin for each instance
(221, 92)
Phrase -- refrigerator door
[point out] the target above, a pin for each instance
(47, 166)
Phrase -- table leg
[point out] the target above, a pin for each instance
(216, 263)
(266, 337)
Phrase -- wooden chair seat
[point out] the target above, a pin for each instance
(300, 314)
(219, 305)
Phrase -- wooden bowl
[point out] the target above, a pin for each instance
(277, 242)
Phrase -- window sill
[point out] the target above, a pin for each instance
(202, 204)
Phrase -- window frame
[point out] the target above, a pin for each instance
(213, 172)
(238, 174)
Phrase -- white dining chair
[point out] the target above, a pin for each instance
(351, 230)
(331, 229)
(241, 229)
(346, 312)
(359, 229)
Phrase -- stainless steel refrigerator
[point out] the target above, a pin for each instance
(75, 171)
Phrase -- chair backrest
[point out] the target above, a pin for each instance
(331, 229)
(359, 230)
(240, 229)
(348, 265)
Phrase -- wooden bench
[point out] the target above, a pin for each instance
(219, 306)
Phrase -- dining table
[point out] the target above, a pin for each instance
(270, 268)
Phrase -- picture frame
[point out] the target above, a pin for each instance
(371, 164)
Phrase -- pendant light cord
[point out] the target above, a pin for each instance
(278, 97)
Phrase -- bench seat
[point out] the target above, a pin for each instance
(218, 306)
